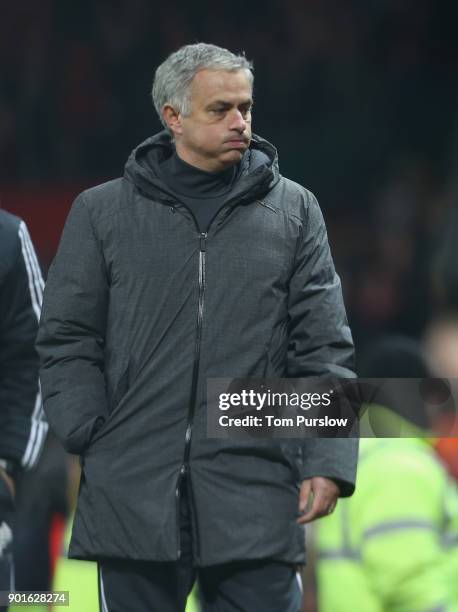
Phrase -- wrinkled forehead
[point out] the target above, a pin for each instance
(232, 86)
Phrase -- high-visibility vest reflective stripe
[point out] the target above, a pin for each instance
(345, 544)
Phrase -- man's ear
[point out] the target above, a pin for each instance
(173, 119)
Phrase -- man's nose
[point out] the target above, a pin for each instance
(237, 122)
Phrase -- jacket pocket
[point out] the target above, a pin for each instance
(292, 452)
(121, 389)
(275, 352)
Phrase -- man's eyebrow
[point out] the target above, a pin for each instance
(226, 104)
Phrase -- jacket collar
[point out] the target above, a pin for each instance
(259, 172)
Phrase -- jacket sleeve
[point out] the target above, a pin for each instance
(320, 342)
(23, 425)
(71, 337)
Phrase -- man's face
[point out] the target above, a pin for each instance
(218, 131)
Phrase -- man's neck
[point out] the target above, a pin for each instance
(204, 164)
(193, 181)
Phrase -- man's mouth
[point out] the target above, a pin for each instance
(241, 142)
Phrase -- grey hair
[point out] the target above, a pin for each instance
(173, 77)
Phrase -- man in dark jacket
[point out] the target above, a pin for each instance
(201, 262)
(22, 423)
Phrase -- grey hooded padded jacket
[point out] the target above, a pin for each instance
(140, 308)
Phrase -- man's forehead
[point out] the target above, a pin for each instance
(223, 85)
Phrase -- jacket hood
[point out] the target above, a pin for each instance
(259, 171)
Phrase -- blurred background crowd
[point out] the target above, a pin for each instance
(359, 97)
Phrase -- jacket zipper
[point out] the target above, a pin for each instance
(195, 376)
(184, 469)
(195, 371)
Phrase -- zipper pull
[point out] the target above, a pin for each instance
(203, 246)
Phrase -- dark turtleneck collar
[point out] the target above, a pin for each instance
(193, 182)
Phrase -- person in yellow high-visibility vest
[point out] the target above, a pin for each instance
(383, 549)
(390, 547)
(441, 344)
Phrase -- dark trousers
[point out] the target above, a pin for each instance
(6, 575)
(6, 540)
(245, 586)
